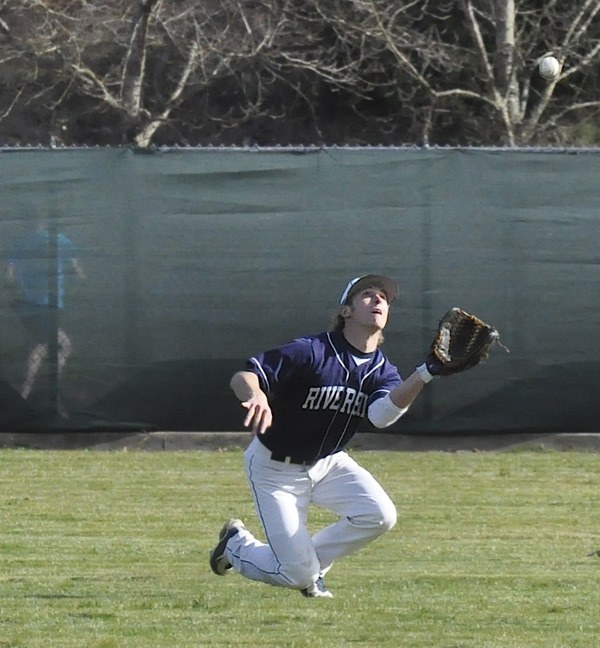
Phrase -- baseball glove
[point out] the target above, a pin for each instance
(462, 341)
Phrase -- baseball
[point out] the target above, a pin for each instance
(549, 67)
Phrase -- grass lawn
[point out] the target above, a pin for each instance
(109, 549)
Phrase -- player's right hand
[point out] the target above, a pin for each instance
(259, 416)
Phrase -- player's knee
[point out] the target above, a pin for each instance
(389, 517)
(379, 520)
(386, 517)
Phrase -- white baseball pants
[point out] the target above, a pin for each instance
(282, 493)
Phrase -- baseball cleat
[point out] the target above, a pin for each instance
(317, 590)
(218, 560)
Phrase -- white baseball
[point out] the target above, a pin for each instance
(549, 67)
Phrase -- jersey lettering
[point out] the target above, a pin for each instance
(348, 401)
(328, 396)
(345, 399)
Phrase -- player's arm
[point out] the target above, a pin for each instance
(246, 386)
(388, 409)
(404, 395)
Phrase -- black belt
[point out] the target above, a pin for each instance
(291, 460)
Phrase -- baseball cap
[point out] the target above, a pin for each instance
(389, 286)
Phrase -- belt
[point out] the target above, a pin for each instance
(291, 460)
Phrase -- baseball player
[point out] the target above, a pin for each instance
(34, 270)
(304, 402)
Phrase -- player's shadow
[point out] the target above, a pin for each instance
(178, 395)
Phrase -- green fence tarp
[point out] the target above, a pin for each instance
(195, 259)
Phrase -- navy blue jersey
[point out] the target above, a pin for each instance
(319, 389)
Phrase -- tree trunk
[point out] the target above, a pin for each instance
(504, 61)
(135, 62)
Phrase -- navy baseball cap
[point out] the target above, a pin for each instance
(389, 287)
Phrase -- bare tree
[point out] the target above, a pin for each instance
(521, 40)
(478, 59)
(137, 60)
(273, 71)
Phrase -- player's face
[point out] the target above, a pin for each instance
(370, 308)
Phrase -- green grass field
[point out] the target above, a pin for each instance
(109, 549)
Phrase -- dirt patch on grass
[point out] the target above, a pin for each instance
(222, 441)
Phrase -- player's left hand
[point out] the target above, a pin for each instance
(462, 341)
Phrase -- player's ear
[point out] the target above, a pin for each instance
(345, 311)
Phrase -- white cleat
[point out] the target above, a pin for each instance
(317, 590)
(218, 560)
